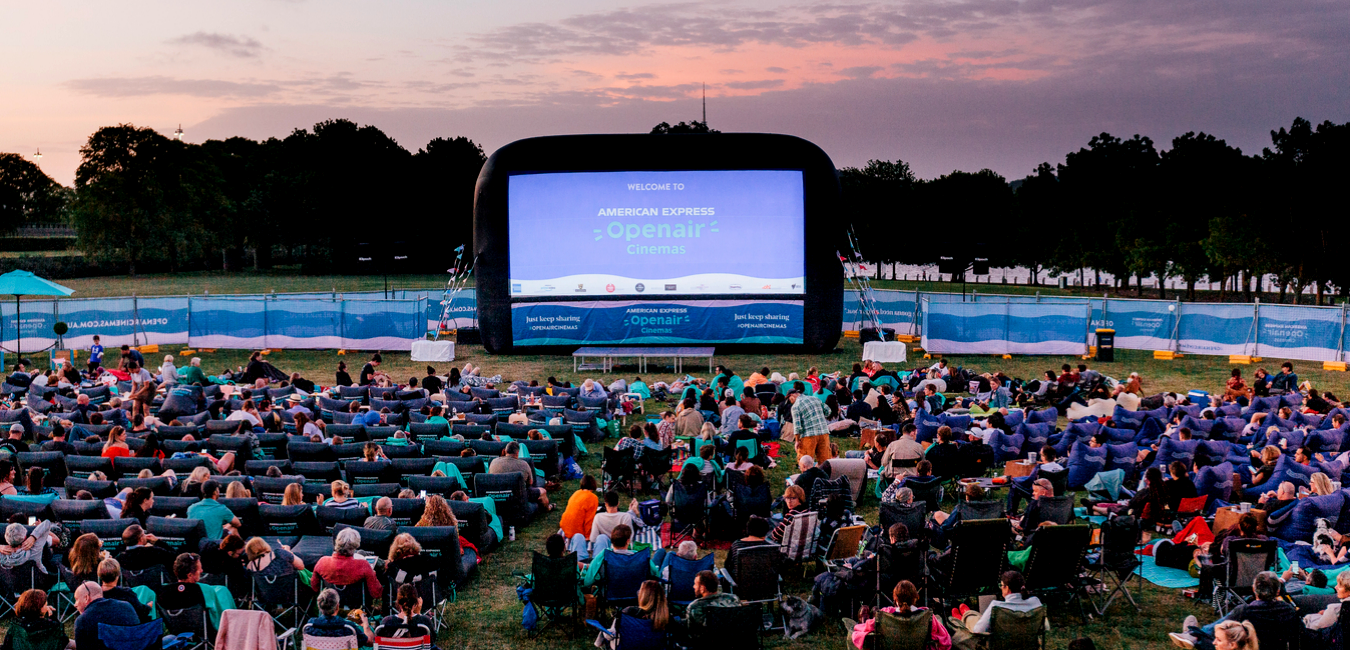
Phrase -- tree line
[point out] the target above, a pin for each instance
(1201, 209)
(327, 196)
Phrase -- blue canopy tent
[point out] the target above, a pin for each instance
(23, 283)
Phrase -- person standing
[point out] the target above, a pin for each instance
(810, 426)
(95, 355)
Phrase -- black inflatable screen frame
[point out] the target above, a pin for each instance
(823, 299)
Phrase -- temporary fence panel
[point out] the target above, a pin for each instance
(124, 321)
(1208, 328)
(227, 323)
(303, 324)
(1294, 332)
(1139, 324)
(32, 322)
(1005, 328)
(895, 309)
(383, 324)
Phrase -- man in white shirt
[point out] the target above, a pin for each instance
(602, 528)
(905, 447)
(1327, 617)
(1010, 584)
(241, 414)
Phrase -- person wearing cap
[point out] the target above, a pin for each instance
(1031, 519)
(14, 443)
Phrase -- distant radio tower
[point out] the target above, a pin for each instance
(705, 104)
(38, 156)
(178, 133)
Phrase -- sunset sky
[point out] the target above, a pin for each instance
(942, 85)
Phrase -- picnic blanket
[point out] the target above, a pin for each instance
(1164, 576)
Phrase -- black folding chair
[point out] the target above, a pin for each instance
(1055, 564)
(1116, 561)
(618, 468)
(553, 585)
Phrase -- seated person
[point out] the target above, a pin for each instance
(1179, 486)
(603, 526)
(384, 508)
(109, 574)
(618, 544)
(329, 624)
(141, 550)
(38, 619)
(757, 530)
(1283, 496)
(905, 596)
(186, 592)
(944, 453)
(508, 462)
(1010, 586)
(746, 431)
(343, 568)
(923, 478)
(707, 595)
(94, 610)
(1267, 617)
(1031, 519)
(407, 622)
(905, 447)
(794, 499)
(1321, 623)
(808, 475)
(342, 497)
(20, 547)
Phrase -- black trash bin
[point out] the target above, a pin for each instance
(1106, 345)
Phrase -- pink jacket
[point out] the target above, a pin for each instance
(941, 639)
(245, 629)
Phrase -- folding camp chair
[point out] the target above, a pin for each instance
(689, 511)
(188, 620)
(146, 636)
(412, 643)
(843, 545)
(728, 627)
(631, 633)
(1013, 630)
(752, 575)
(350, 596)
(897, 632)
(553, 590)
(622, 576)
(618, 468)
(279, 596)
(1246, 558)
(678, 576)
(979, 553)
(349, 642)
(799, 539)
(13, 582)
(1055, 563)
(1117, 561)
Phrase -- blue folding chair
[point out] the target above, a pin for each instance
(631, 633)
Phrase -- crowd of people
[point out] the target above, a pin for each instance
(917, 431)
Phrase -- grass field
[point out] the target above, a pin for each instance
(487, 613)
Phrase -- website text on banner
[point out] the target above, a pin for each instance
(656, 233)
(1005, 328)
(656, 322)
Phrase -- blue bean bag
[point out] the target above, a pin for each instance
(1298, 521)
(1084, 463)
(1197, 425)
(1122, 457)
(1171, 449)
(1326, 440)
(1285, 470)
(1044, 415)
(1084, 428)
(1015, 417)
(1293, 438)
(1006, 447)
(1034, 435)
(1215, 482)
(1119, 435)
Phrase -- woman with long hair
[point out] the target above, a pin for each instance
(293, 495)
(150, 448)
(437, 513)
(261, 559)
(407, 621)
(192, 487)
(33, 482)
(236, 490)
(651, 606)
(138, 505)
(116, 445)
(84, 556)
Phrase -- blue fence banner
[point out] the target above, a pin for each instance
(1139, 324)
(383, 324)
(227, 323)
(1005, 328)
(35, 317)
(1208, 328)
(125, 321)
(1294, 332)
(664, 322)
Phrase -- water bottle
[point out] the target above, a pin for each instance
(511, 533)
